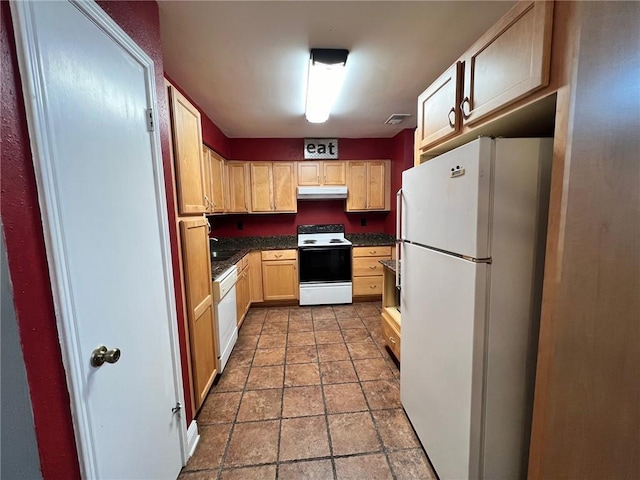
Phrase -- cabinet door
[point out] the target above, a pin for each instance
(309, 173)
(261, 187)
(357, 186)
(256, 293)
(377, 186)
(207, 178)
(438, 113)
(284, 187)
(280, 280)
(199, 297)
(334, 173)
(509, 61)
(238, 175)
(217, 182)
(187, 152)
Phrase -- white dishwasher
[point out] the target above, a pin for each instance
(224, 294)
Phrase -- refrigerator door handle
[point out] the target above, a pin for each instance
(398, 234)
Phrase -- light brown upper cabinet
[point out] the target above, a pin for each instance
(438, 112)
(238, 185)
(510, 61)
(187, 152)
(368, 184)
(315, 173)
(214, 180)
(273, 187)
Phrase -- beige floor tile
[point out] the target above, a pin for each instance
(302, 438)
(362, 350)
(345, 311)
(303, 354)
(299, 339)
(382, 394)
(353, 433)
(257, 313)
(366, 310)
(219, 408)
(253, 329)
(269, 356)
(265, 377)
(299, 313)
(264, 472)
(246, 342)
(411, 464)
(370, 467)
(329, 336)
(201, 475)
(275, 328)
(232, 379)
(337, 372)
(347, 323)
(240, 358)
(302, 374)
(306, 470)
(325, 324)
(344, 397)
(299, 325)
(372, 369)
(208, 454)
(276, 340)
(354, 335)
(333, 352)
(277, 316)
(319, 313)
(253, 443)
(373, 324)
(395, 429)
(302, 401)
(260, 405)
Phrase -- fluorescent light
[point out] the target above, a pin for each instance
(326, 74)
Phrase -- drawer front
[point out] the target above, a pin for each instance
(379, 251)
(367, 266)
(391, 337)
(367, 286)
(279, 255)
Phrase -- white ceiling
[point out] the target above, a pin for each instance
(245, 62)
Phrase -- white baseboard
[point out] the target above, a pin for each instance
(193, 437)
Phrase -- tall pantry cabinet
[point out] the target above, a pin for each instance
(192, 203)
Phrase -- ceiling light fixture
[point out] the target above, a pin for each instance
(326, 74)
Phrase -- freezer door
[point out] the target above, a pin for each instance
(443, 321)
(446, 200)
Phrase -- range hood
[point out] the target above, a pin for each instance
(322, 193)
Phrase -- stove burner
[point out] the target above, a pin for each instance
(336, 240)
(307, 242)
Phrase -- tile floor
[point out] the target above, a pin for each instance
(308, 393)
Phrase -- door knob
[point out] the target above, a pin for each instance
(101, 355)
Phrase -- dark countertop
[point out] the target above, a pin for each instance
(391, 265)
(244, 245)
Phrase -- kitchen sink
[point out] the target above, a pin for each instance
(221, 255)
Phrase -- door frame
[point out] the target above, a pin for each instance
(40, 140)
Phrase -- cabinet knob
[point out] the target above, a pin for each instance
(392, 340)
(452, 123)
(465, 115)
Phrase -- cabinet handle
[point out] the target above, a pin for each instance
(392, 340)
(372, 287)
(464, 114)
(278, 255)
(373, 267)
(372, 252)
(452, 124)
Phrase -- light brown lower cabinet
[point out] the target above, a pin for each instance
(367, 270)
(243, 296)
(280, 275)
(199, 299)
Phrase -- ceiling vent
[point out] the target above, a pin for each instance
(397, 118)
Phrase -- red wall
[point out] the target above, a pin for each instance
(25, 243)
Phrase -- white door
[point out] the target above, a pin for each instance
(446, 200)
(442, 357)
(88, 89)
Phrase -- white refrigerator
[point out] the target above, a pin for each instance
(472, 236)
